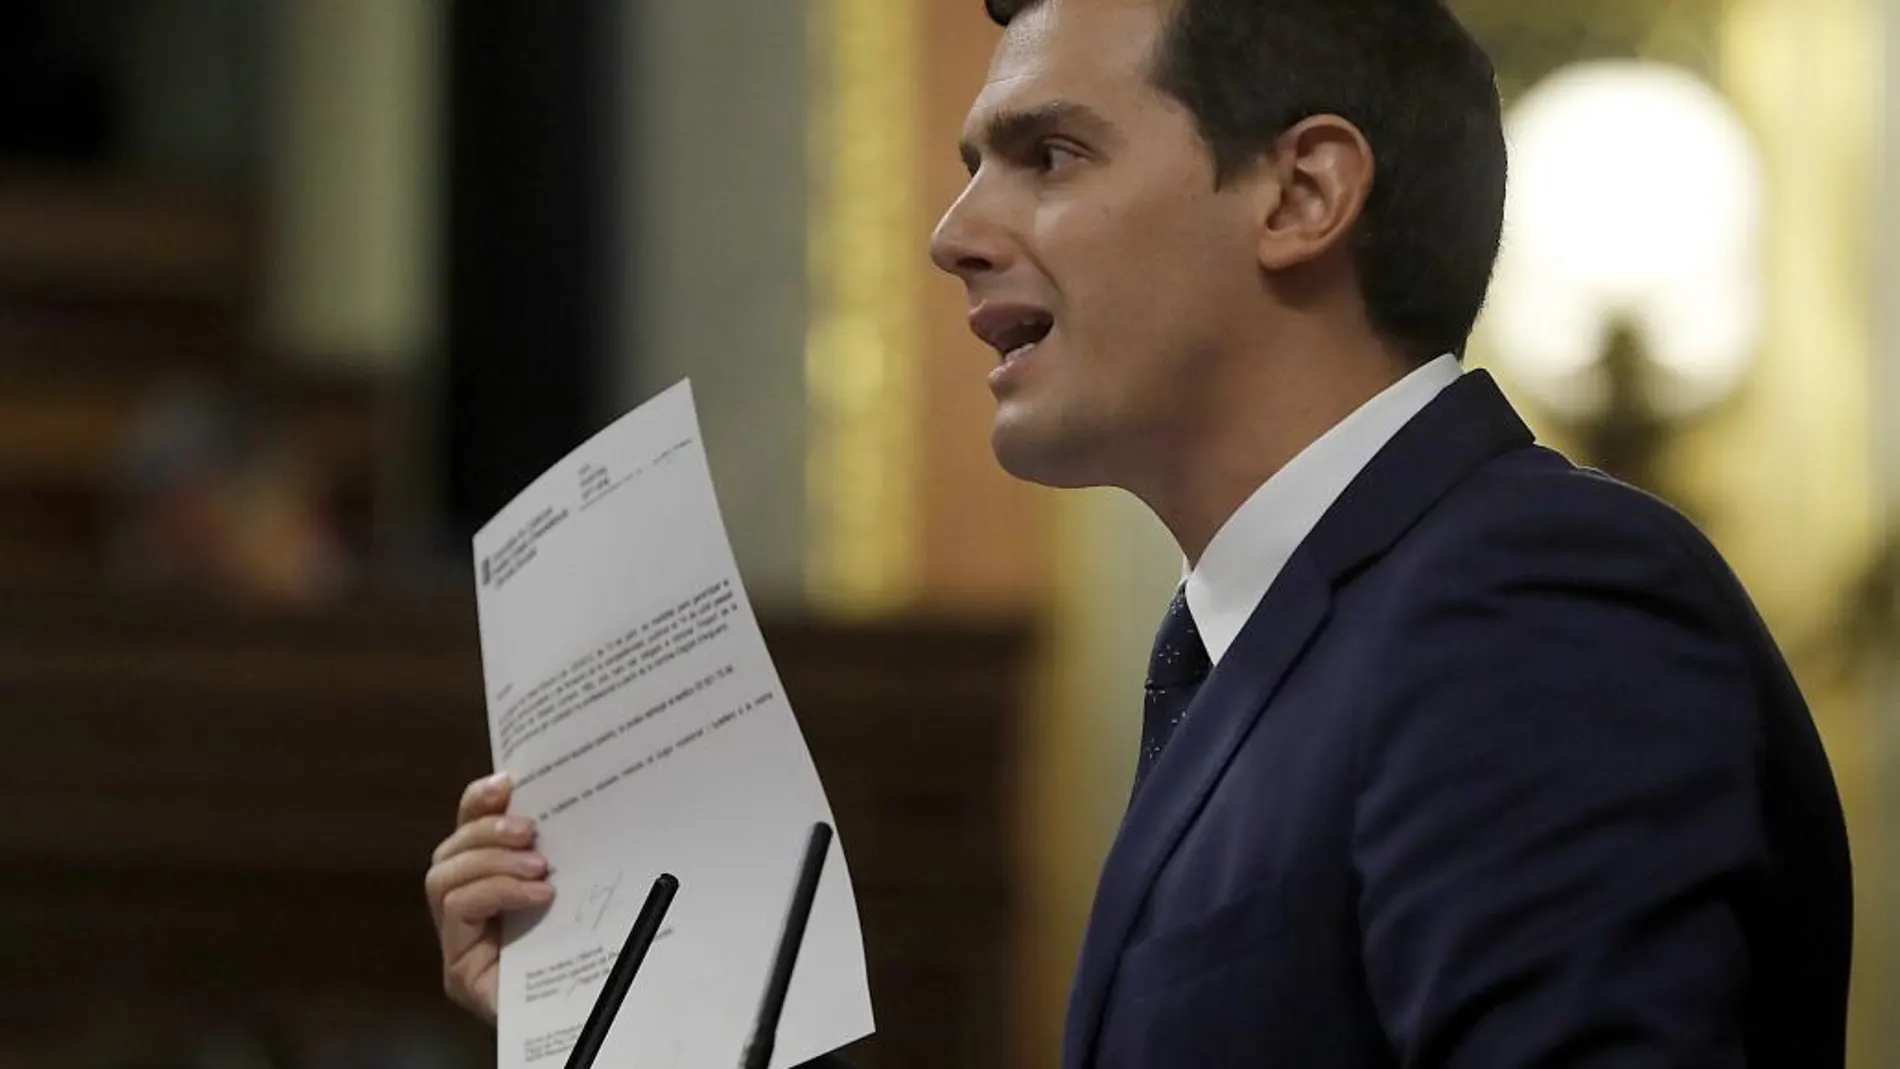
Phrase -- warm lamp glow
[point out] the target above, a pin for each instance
(1636, 196)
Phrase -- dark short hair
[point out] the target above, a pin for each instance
(1414, 82)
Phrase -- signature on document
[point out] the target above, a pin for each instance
(590, 908)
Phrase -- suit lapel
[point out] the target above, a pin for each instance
(1227, 706)
(1467, 425)
(1464, 427)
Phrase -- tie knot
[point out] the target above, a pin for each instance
(1180, 657)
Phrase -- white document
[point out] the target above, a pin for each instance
(631, 696)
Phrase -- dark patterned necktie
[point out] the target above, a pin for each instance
(1176, 670)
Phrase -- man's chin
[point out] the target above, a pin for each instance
(1033, 454)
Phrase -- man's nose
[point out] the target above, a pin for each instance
(968, 242)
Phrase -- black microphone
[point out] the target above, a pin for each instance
(639, 939)
(758, 1053)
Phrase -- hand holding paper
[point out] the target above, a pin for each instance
(484, 868)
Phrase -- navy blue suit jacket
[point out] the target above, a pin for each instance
(1504, 772)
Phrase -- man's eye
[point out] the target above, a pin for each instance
(1051, 155)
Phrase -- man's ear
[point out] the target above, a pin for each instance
(1314, 184)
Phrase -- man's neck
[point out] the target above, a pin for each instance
(1261, 424)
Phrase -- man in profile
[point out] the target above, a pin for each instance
(1454, 754)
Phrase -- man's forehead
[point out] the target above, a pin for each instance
(1071, 49)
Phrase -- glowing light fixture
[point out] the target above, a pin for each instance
(1636, 198)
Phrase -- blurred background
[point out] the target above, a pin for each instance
(295, 293)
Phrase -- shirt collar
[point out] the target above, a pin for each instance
(1249, 550)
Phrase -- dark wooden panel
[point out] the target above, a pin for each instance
(194, 832)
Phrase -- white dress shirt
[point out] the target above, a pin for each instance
(1249, 550)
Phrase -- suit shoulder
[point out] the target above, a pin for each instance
(1536, 503)
(1538, 570)
(1532, 520)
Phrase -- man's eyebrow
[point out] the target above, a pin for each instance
(1009, 131)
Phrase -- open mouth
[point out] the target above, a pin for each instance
(1020, 334)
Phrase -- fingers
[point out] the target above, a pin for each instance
(487, 796)
(471, 866)
(516, 833)
(477, 902)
